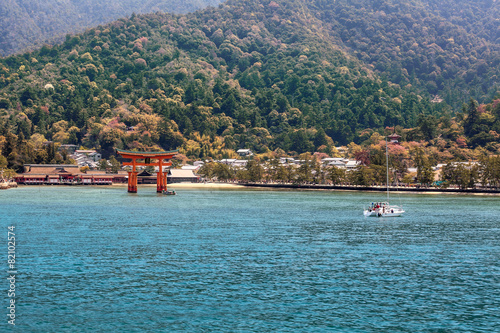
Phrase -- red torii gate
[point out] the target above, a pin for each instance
(159, 156)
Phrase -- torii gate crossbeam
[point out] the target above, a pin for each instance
(158, 156)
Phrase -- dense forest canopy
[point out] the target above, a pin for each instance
(28, 23)
(290, 76)
(450, 48)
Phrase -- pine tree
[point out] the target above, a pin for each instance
(472, 118)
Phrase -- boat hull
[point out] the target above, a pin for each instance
(169, 192)
(384, 211)
(395, 214)
(369, 213)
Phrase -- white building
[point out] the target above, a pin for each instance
(228, 161)
(338, 162)
(234, 162)
(88, 158)
(286, 160)
(342, 150)
(240, 163)
(352, 164)
(193, 168)
(244, 152)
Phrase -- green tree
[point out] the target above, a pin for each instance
(425, 174)
(300, 142)
(337, 175)
(3, 162)
(472, 121)
(489, 171)
(103, 165)
(255, 171)
(285, 174)
(114, 164)
(461, 174)
(305, 170)
(320, 138)
(223, 171)
(207, 170)
(428, 126)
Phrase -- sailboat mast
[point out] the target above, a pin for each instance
(387, 167)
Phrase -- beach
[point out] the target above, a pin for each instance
(309, 187)
(205, 185)
(359, 188)
(191, 185)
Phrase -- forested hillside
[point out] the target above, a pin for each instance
(292, 76)
(447, 48)
(26, 24)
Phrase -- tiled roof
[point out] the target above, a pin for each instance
(51, 169)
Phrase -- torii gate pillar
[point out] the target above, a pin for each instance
(160, 157)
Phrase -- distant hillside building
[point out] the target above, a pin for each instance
(352, 164)
(394, 138)
(244, 152)
(338, 162)
(287, 160)
(70, 149)
(87, 157)
(90, 153)
(342, 150)
(234, 162)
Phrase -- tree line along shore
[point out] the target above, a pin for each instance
(481, 175)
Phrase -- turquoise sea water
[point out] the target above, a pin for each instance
(97, 259)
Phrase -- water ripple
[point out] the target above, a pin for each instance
(99, 259)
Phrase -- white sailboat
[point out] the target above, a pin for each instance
(384, 209)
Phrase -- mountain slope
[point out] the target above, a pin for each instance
(28, 23)
(448, 48)
(261, 75)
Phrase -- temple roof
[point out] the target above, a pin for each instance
(51, 169)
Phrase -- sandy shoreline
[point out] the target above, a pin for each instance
(204, 185)
(379, 189)
(291, 187)
(192, 185)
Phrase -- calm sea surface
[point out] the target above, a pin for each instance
(97, 259)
